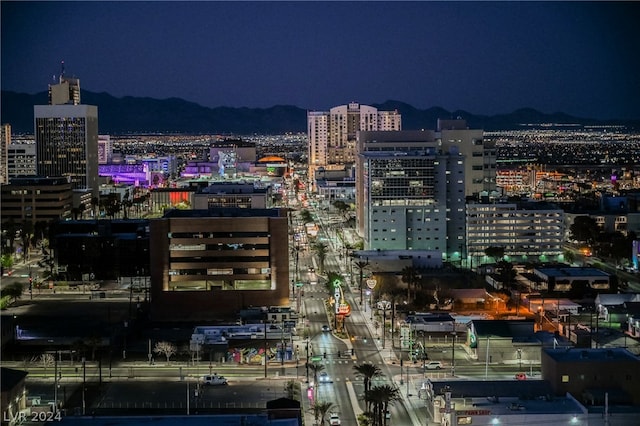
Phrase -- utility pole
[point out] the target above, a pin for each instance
(307, 363)
(266, 355)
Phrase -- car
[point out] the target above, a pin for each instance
(334, 419)
(311, 269)
(213, 380)
(326, 328)
(521, 376)
(324, 378)
(433, 365)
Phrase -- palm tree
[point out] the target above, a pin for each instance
(381, 397)
(368, 371)
(316, 368)
(410, 276)
(321, 250)
(320, 409)
(95, 203)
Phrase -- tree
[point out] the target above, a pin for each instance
(507, 273)
(494, 252)
(321, 250)
(569, 257)
(305, 216)
(13, 291)
(95, 204)
(381, 397)
(341, 206)
(585, 229)
(320, 410)
(368, 371)
(315, 369)
(410, 276)
(290, 389)
(93, 342)
(10, 228)
(47, 360)
(27, 233)
(167, 349)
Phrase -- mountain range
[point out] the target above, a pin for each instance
(147, 115)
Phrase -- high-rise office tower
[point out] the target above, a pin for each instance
(332, 134)
(5, 136)
(409, 192)
(66, 92)
(480, 155)
(67, 140)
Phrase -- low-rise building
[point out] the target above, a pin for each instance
(526, 230)
(36, 199)
(210, 264)
(593, 376)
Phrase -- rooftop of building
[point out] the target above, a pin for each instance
(504, 328)
(525, 389)
(572, 272)
(222, 212)
(38, 181)
(572, 355)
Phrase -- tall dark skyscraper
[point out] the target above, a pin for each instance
(66, 134)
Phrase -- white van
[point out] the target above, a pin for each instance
(213, 380)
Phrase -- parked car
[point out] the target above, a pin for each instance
(214, 380)
(433, 365)
(334, 419)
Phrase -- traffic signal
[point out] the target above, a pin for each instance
(324, 355)
(353, 352)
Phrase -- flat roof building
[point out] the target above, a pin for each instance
(210, 264)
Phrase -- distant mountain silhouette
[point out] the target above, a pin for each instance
(136, 115)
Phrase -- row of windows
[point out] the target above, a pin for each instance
(234, 234)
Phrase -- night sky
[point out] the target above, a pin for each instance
(482, 57)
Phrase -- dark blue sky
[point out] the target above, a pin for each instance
(483, 57)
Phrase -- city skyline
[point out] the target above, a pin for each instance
(485, 58)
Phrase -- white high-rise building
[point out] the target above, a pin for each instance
(332, 134)
(409, 193)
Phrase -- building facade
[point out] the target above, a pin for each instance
(36, 199)
(594, 376)
(21, 159)
(208, 264)
(332, 134)
(232, 194)
(5, 141)
(527, 231)
(409, 193)
(67, 143)
(480, 155)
